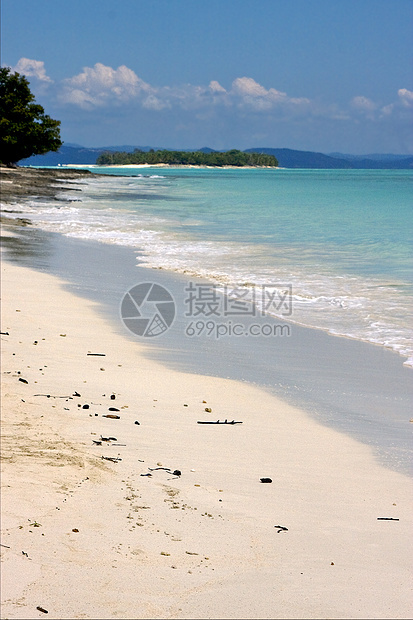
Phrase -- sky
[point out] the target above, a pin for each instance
(318, 75)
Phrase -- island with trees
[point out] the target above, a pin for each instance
(231, 158)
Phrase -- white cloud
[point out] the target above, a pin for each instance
(80, 98)
(154, 103)
(363, 103)
(387, 110)
(101, 85)
(32, 68)
(374, 111)
(406, 97)
(248, 86)
(401, 107)
(216, 87)
(246, 91)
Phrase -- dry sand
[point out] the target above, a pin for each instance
(85, 537)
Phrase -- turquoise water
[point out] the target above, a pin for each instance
(340, 239)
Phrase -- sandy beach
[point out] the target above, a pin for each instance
(116, 503)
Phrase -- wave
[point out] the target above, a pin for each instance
(361, 308)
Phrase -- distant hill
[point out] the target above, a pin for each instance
(65, 155)
(128, 148)
(374, 156)
(387, 161)
(287, 158)
(389, 164)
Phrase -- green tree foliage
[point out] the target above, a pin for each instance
(25, 129)
(187, 158)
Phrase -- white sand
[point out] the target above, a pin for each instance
(202, 545)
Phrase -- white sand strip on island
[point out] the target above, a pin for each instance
(167, 166)
(86, 537)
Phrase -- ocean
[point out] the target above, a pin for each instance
(334, 244)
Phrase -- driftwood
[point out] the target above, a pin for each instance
(97, 354)
(175, 472)
(386, 519)
(111, 458)
(218, 422)
(52, 396)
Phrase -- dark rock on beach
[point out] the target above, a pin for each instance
(25, 182)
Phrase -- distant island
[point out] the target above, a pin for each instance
(234, 157)
(286, 158)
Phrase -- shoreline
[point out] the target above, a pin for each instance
(356, 387)
(172, 166)
(47, 186)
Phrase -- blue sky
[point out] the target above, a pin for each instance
(321, 75)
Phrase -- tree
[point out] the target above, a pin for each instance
(198, 158)
(25, 129)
